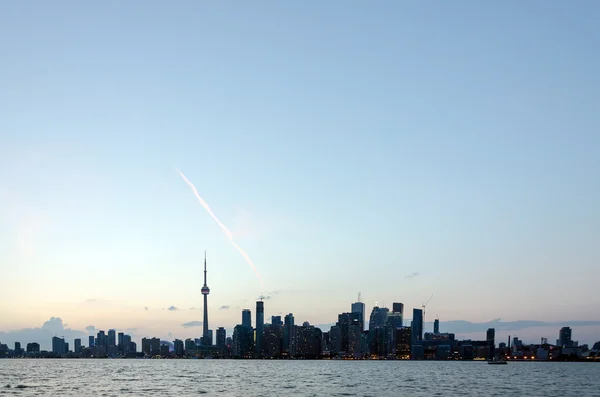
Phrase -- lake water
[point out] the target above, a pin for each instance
(294, 378)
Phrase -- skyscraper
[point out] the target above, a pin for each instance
(247, 318)
(78, 346)
(398, 307)
(205, 291)
(359, 307)
(260, 322)
(378, 317)
(289, 342)
(417, 325)
(564, 337)
(221, 337)
(58, 345)
(91, 341)
(276, 320)
(490, 338)
(436, 326)
(112, 337)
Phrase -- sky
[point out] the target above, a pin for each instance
(394, 148)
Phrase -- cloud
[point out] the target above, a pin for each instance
(90, 329)
(414, 274)
(91, 300)
(172, 308)
(192, 324)
(194, 308)
(146, 308)
(42, 335)
(224, 307)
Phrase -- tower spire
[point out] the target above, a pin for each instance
(204, 267)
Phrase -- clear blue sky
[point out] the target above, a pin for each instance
(346, 144)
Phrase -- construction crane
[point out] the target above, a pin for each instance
(423, 306)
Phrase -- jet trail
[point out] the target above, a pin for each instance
(221, 225)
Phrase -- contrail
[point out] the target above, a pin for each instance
(221, 225)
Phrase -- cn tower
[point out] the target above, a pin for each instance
(205, 292)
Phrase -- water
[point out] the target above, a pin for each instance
(294, 378)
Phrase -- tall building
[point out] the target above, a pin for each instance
(436, 326)
(276, 320)
(242, 341)
(101, 339)
(221, 337)
(77, 346)
(91, 341)
(247, 318)
(417, 325)
(178, 347)
(33, 347)
(205, 291)
(273, 340)
(398, 307)
(112, 337)
(359, 307)
(58, 345)
(18, 351)
(120, 343)
(490, 338)
(289, 335)
(378, 317)
(260, 322)
(350, 329)
(564, 337)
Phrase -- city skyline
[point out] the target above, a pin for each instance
(387, 150)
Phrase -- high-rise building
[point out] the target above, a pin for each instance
(273, 340)
(242, 341)
(120, 343)
(205, 291)
(490, 338)
(33, 347)
(77, 346)
(190, 345)
(289, 335)
(221, 337)
(247, 318)
(308, 341)
(276, 320)
(398, 307)
(18, 351)
(417, 325)
(178, 347)
(378, 317)
(359, 307)
(112, 337)
(91, 341)
(58, 345)
(436, 326)
(127, 345)
(260, 322)
(209, 338)
(101, 339)
(564, 337)
(350, 329)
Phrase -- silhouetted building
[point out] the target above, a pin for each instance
(221, 337)
(101, 339)
(77, 346)
(289, 335)
(394, 320)
(564, 337)
(247, 318)
(178, 347)
(308, 341)
(151, 347)
(112, 337)
(276, 320)
(398, 307)
(243, 341)
(348, 322)
(490, 339)
(91, 341)
(33, 347)
(190, 345)
(359, 307)
(403, 342)
(378, 317)
(126, 345)
(58, 345)
(436, 326)
(335, 339)
(377, 341)
(273, 340)
(260, 324)
(417, 326)
(164, 350)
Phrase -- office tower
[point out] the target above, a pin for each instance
(112, 339)
(101, 339)
(33, 347)
(120, 343)
(276, 320)
(490, 338)
(436, 326)
(127, 345)
(308, 341)
(190, 345)
(394, 320)
(77, 346)
(260, 322)
(350, 329)
(221, 337)
(209, 338)
(58, 345)
(417, 325)
(247, 318)
(205, 291)
(564, 337)
(398, 307)
(18, 349)
(289, 335)
(91, 341)
(66, 347)
(242, 341)
(178, 347)
(273, 340)
(378, 317)
(359, 307)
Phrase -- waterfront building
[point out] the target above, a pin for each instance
(289, 335)
(178, 347)
(417, 326)
(247, 318)
(58, 345)
(221, 337)
(77, 346)
(260, 322)
(359, 307)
